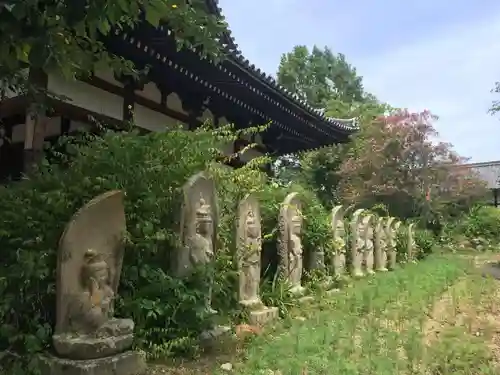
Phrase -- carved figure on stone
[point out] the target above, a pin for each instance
(357, 244)
(392, 228)
(411, 243)
(88, 274)
(249, 250)
(199, 221)
(380, 245)
(290, 243)
(88, 337)
(339, 234)
(367, 230)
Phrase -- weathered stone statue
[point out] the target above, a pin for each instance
(198, 230)
(87, 335)
(380, 245)
(290, 243)
(411, 243)
(249, 248)
(392, 229)
(367, 230)
(199, 221)
(357, 244)
(339, 234)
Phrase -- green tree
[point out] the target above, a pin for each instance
(495, 106)
(321, 168)
(329, 82)
(67, 36)
(320, 76)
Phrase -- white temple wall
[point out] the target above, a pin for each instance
(86, 96)
(151, 92)
(108, 76)
(153, 120)
(91, 98)
(78, 125)
(175, 103)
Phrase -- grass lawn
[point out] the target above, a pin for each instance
(436, 317)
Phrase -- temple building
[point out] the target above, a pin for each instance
(181, 88)
(489, 172)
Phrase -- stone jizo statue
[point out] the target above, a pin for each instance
(367, 230)
(91, 311)
(380, 246)
(357, 244)
(87, 333)
(249, 258)
(200, 246)
(412, 246)
(296, 265)
(290, 243)
(392, 228)
(198, 231)
(249, 248)
(339, 234)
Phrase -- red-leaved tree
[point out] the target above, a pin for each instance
(398, 161)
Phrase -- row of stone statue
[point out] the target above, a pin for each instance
(91, 254)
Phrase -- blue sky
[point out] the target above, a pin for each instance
(440, 55)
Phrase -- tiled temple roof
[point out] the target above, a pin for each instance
(230, 46)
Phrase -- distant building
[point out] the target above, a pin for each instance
(489, 172)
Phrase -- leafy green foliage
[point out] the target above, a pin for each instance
(319, 76)
(478, 229)
(483, 221)
(67, 36)
(151, 170)
(425, 242)
(495, 105)
(393, 159)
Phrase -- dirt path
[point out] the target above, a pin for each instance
(471, 305)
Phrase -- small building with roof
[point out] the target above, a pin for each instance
(489, 172)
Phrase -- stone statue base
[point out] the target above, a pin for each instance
(358, 274)
(258, 313)
(297, 290)
(392, 261)
(85, 347)
(332, 292)
(263, 315)
(210, 337)
(128, 363)
(306, 299)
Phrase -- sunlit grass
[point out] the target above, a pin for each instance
(381, 326)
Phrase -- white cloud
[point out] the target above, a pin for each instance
(451, 75)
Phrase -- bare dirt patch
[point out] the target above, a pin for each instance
(473, 305)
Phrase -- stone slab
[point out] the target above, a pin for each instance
(75, 347)
(331, 292)
(128, 363)
(306, 299)
(263, 316)
(210, 337)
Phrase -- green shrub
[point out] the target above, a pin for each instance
(402, 244)
(151, 170)
(425, 242)
(483, 221)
